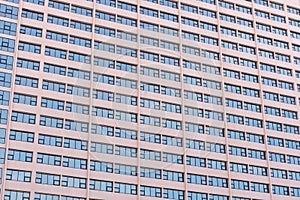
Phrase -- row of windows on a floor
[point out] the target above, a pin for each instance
(102, 78)
(10, 28)
(172, 4)
(148, 154)
(168, 3)
(8, 45)
(76, 182)
(163, 15)
(50, 159)
(55, 160)
(25, 136)
(152, 154)
(148, 103)
(77, 163)
(71, 124)
(82, 74)
(171, 17)
(225, 4)
(154, 42)
(144, 191)
(132, 22)
(5, 81)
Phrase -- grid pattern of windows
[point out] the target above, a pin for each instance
(108, 78)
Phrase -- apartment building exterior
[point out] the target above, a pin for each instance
(149, 99)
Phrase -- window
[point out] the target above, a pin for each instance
(217, 182)
(172, 176)
(9, 11)
(23, 117)
(55, 69)
(207, 13)
(126, 21)
(101, 166)
(251, 137)
(58, 5)
(237, 151)
(75, 182)
(58, 53)
(80, 41)
(278, 173)
(26, 81)
(125, 188)
(167, 16)
(78, 74)
(8, 28)
(101, 185)
(78, 91)
(209, 40)
(239, 185)
(126, 51)
(75, 144)
(52, 103)
(125, 169)
(3, 116)
(32, 15)
(148, 26)
(173, 194)
(48, 159)
(81, 26)
(51, 122)
(263, 27)
(41, 196)
(259, 187)
(150, 173)
(38, 2)
(208, 26)
(18, 175)
(105, 31)
(79, 57)
(243, 9)
(149, 137)
(25, 99)
(236, 134)
(22, 136)
(276, 157)
(53, 86)
(81, 11)
(227, 17)
(130, 100)
(149, 12)
(216, 164)
(76, 126)
(14, 194)
(7, 44)
(188, 8)
(49, 140)
(24, 156)
(150, 191)
(6, 62)
(74, 163)
(28, 64)
(238, 167)
(256, 154)
(218, 148)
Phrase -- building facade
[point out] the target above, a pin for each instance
(149, 99)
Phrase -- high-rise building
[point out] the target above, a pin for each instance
(149, 99)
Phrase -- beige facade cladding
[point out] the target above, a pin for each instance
(149, 99)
